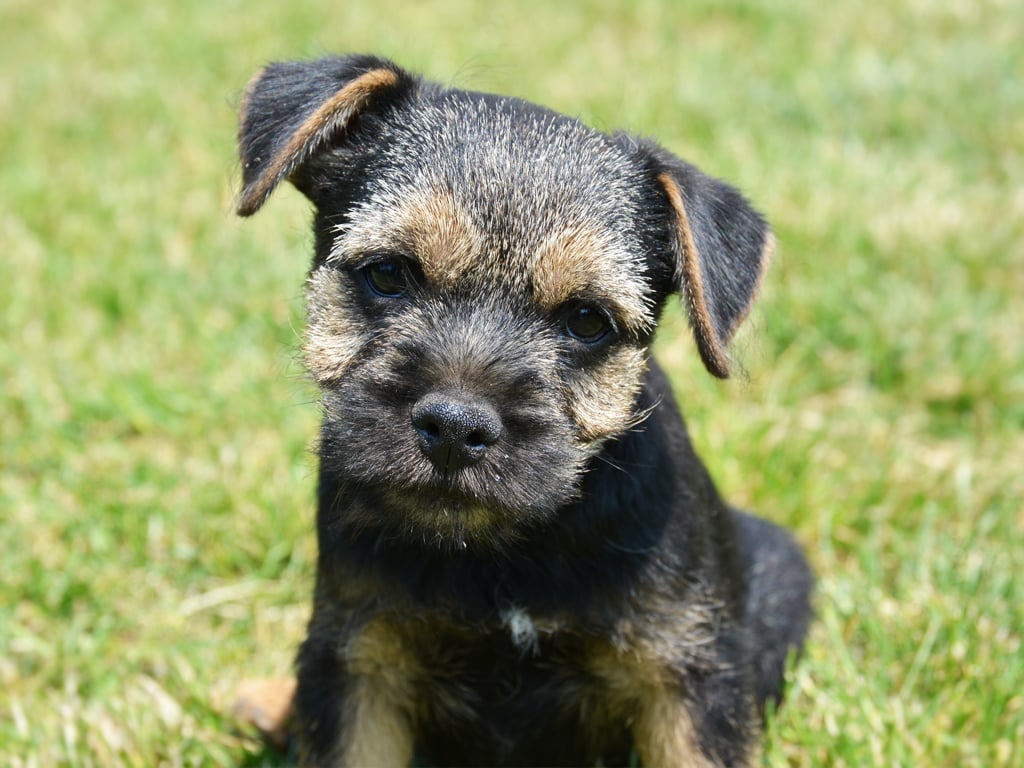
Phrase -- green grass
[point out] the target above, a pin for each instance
(155, 476)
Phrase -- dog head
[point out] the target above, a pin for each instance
(487, 279)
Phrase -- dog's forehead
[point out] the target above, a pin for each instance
(488, 192)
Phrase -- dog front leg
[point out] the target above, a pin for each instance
(664, 733)
(380, 733)
(709, 725)
(687, 715)
(353, 702)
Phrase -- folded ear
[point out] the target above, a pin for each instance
(722, 249)
(293, 110)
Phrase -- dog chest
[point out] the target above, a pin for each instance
(518, 692)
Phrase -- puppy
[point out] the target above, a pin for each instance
(521, 559)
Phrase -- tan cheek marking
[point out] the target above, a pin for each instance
(601, 400)
(580, 260)
(332, 339)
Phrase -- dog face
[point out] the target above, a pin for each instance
(487, 279)
(480, 320)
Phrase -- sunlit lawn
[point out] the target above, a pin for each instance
(156, 479)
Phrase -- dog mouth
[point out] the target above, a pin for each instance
(510, 485)
(449, 517)
(456, 495)
(472, 508)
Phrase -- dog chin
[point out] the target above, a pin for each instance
(456, 520)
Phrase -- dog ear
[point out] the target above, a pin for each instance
(722, 249)
(292, 110)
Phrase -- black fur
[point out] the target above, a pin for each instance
(597, 529)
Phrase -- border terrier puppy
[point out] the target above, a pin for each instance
(521, 559)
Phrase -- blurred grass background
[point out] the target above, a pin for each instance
(156, 484)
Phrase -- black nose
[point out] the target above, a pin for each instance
(454, 432)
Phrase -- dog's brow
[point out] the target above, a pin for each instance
(368, 232)
(446, 240)
(589, 263)
(429, 226)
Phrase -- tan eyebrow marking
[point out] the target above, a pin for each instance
(587, 261)
(429, 226)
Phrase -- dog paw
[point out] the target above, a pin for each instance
(266, 704)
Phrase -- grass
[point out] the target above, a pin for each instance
(155, 476)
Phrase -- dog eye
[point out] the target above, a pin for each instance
(588, 324)
(388, 278)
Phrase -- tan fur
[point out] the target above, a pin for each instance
(663, 732)
(332, 339)
(427, 225)
(586, 261)
(333, 114)
(443, 235)
(638, 689)
(601, 399)
(475, 522)
(379, 719)
(693, 283)
(381, 732)
(379, 650)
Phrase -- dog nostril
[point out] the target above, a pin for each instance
(426, 424)
(455, 432)
(430, 429)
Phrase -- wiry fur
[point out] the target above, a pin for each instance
(569, 586)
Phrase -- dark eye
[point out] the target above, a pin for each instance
(388, 278)
(588, 324)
